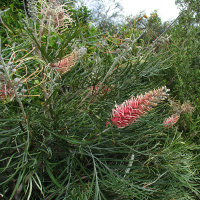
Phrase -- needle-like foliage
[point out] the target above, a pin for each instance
(59, 139)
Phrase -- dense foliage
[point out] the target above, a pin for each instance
(92, 113)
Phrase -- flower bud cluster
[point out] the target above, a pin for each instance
(9, 84)
(173, 119)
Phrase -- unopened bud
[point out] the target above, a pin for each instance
(83, 51)
(127, 40)
(118, 50)
(16, 80)
(123, 46)
(23, 90)
(130, 49)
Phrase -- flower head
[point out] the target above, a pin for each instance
(69, 61)
(187, 107)
(130, 110)
(5, 90)
(54, 14)
(170, 121)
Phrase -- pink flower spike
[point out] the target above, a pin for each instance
(170, 121)
(131, 110)
(69, 61)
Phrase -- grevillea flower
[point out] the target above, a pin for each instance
(58, 13)
(53, 13)
(130, 110)
(170, 121)
(67, 63)
(95, 88)
(187, 107)
(5, 91)
(2, 95)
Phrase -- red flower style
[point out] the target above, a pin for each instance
(170, 121)
(129, 111)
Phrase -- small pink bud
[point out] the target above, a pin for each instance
(104, 90)
(107, 123)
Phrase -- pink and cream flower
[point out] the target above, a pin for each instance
(131, 110)
(170, 121)
(69, 61)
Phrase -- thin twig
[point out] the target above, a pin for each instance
(146, 185)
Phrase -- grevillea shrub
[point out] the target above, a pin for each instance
(54, 142)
